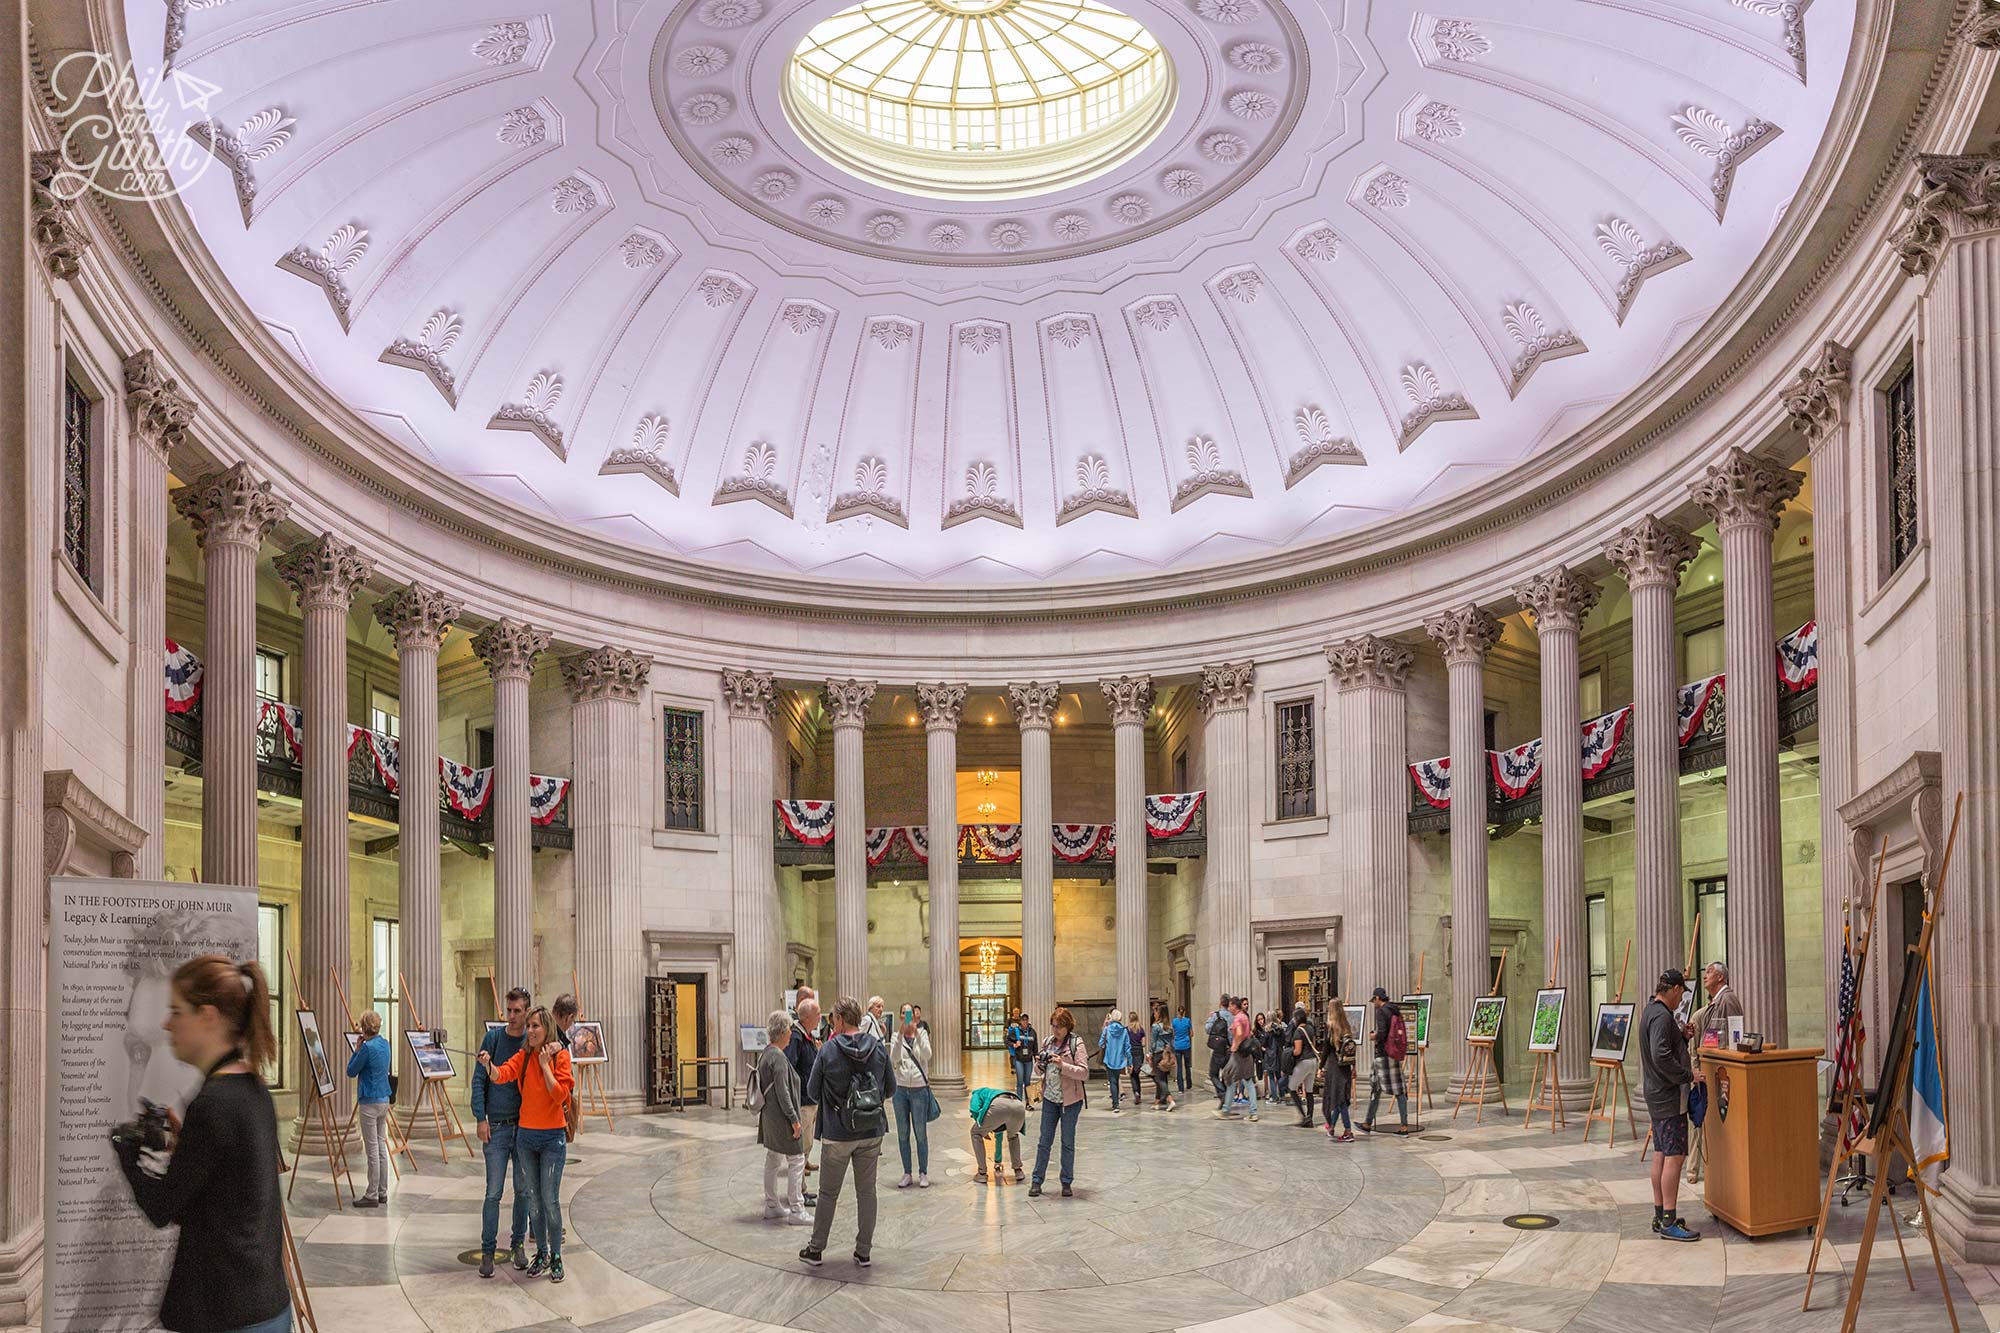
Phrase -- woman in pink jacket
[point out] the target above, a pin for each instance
(1063, 1067)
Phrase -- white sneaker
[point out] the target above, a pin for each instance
(923, 1180)
(801, 1218)
(905, 1182)
(1115, 1111)
(772, 1210)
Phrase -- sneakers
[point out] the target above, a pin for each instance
(1366, 1126)
(1252, 1117)
(923, 1180)
(907, 1181)
(366, 1201)
(861, 1259)
(520, 1258)
(1678, 1221)
(1019, 1175)
(1116, 1111)
(486, 1263)
(555, 1269)
(811, 1200)
(1226, 1115)
(1347, 1137)
(1066, 1192)
(802, 1218)
(980, 1179)
(772, 1212)
(811, 1256)
(540, 1266)
(1673, 1230)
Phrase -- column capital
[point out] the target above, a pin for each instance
(1226, 687)
(1652, 551)
(1034, 704)
(1558, 600)
(1815, 399)
(749, 693)
(1743, 491)
(1982, 26)
(324, 573)
(847, 701)
(418, 616)
(1463, 634)
(232, 506)
(1129, 698)
(52, 206)
(509, 648)
(942, 704)
(161, 413)
(1951, 189)
(1360, 663)
(606, 673)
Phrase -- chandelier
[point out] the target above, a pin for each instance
(989, 958)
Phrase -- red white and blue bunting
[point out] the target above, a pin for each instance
(1602, 736)
(545, 798)
(811, 822)
(1170, 816)
(288, 722)
(384, 753)
(1081, 842)
(467, 790)
(999, 844)
(917, 837)
(880, 842)
(1516, 770)
(183, 679)
(1693, 705)
(1433, 779)
(1798, 658)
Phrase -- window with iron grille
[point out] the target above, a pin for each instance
(1296, 749)
(683, 768)
(1900, 412)
(77, 516)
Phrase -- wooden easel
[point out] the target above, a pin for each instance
(590, 1094)
(1423, 1084)
(1479, 1066)
(1895, 1135)
(336, 1145)
(295, 1273)
(1694, 936)
(354, 1116)
(1544, 1090)
(1607, 1082)
(443, 1115)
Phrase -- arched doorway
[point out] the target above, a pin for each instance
(990, 983)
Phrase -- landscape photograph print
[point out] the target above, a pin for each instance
(1487, 1011)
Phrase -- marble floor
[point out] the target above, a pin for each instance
(1180, 1221)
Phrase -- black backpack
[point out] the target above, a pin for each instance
(1253, 1046)
(1290, 1058)
(864, 1105)
(1218, 1033)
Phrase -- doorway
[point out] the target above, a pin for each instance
(690, 1023)
(1295, 983)
(990, 977)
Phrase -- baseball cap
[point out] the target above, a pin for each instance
(1671, 978)
(1380, 994)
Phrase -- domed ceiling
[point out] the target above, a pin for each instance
(1355, 257)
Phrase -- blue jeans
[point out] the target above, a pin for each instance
(1023, 1072)
(499, 1150)
(1182, 1064)
(1053, 1115)
(1246, 1087)
(913, 1110)
(1116, 1076)
(280, 1322)
(540, 1153)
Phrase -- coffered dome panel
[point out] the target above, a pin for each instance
(1196, 282)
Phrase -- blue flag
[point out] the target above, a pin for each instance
(1930, 1121)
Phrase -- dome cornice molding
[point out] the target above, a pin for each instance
(1652, 412)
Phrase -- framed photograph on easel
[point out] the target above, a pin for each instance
(1546, 1028)
(1612, 1032)
(322, 1072)
(1417, 1015)
(433, 1061)
(587, 1044)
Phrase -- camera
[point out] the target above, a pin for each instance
(148, 1129)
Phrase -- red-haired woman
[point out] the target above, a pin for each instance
(220, 1184)
(1063, 1066)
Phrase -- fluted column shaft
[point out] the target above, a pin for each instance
(509, 649)
(161, 415)
(1130, 699)
(325, 574)
(418, 617)
(1225, 701)
(1464, 636)
(1373, 785)
(1744, 495)
(1558, 601)
(1034, 710)
(942, 706)
(607, 824)
(847, 703)
(231, 512)
(754, 907)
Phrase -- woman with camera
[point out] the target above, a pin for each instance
(1063, 1066)
(911, 1054)
(220, 1183)
(542, 1069)
(369, 1067)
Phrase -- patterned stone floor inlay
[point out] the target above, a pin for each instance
(1179, 1221)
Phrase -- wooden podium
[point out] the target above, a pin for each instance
(1762, 1132)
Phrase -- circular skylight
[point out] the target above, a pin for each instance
(979, 98)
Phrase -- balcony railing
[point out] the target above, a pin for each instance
(278, 772)
(802, 835)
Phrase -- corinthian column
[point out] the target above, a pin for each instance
(1373, 790)
(418, 617)
(1034, 711)
(608, 823)
(325, 574)
(1225, 703)
(231, 512)
(1949, 240)
(1743, 495)
(1651, 554)
(847, 704)
(942, 706)
(1464, 635)
(1130, 699)
(509, 649)
(161, 415)
(1559, 601)
(753, 878)
(1816, 403)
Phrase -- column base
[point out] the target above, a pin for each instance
(21, 1279)
(1967, 1217)
(1454, 1089)
(1574, 1096)
(626, 1103)
(954, 1084)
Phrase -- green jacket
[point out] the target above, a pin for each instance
(981, 1099)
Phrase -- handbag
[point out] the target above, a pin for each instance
(934, 1110)
(753, 1092)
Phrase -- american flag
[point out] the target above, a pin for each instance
(1847, 1055)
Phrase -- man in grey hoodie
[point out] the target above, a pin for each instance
(853, 1083)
